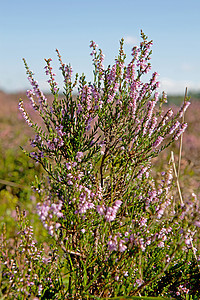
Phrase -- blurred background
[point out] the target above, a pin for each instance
(34, 29)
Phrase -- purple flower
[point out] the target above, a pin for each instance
(143, 221)
(142, 171)
(79, 155)
(56, 208)
(150, 107)
(183, 108)
(161, 244)
(188, 241)
(100, 209)
(110, 212)
(34, 155)
(59, 131)
(43, 210)
(152, 126)
(112, 245)
(174, 127)
(68, 166)
(117, 204)
(24, 114)
(51, 145)
(139, 282)
(180, 131)
(122, 247)
(197, 223)
(158, 141)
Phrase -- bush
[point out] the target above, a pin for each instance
(114, 230)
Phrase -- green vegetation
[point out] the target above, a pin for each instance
(119, 217)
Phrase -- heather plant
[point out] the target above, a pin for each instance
(116, 231)
(28, 269)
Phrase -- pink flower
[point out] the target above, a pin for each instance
(158, 141)
(197, 223)
(100, 209)
(122, 247)
(180, 131)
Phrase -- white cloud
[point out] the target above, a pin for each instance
(171, 86)
(130, 40)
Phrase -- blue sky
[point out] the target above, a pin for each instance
(34, 29)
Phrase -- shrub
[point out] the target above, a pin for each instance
(116, 230)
